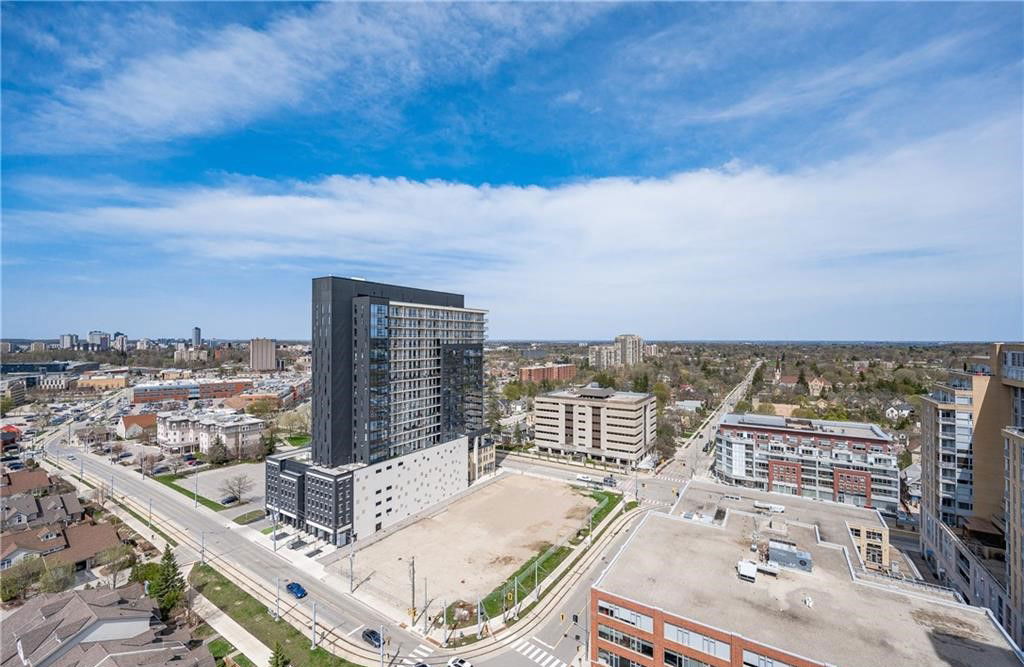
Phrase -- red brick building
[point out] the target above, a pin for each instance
(549, 372)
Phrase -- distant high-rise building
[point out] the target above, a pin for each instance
(143, 344)
(197, 337)
(262, 354)
(972, 474)
(397, 402)
(5, 348)
(37, 346)
(627, 350)
(120, 343)
(68, 341)
(99, 340)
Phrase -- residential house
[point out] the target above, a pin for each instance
(87, 628)
(134, 426)
(84, 542)
(28, 511)
(19, 545)
(788, 381)
(818, 384)
(899, 410)
(36, 482)
(93, 434)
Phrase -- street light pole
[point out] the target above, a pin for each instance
(412, 586)
(351, 581)
(196, 496)
(314, 625)
(151, 514)
(382, 646)
(277, 601)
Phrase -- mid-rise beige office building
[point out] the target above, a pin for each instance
(262, 354)
(606, 425)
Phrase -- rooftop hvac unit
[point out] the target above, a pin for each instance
(747, 570)
(788, 555)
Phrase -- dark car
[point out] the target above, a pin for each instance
(227, 500)
(372, 637)
(296, 589)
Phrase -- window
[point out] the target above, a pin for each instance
(673, 659)
(635, 644)
(751, 659)
(628, 616)
(615, 660)
(697, 641)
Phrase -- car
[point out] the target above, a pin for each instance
(227, 500)
(124, 455)
(459, 662)
(372, 637)
(71, 457)
(296, 589)
(191, 462)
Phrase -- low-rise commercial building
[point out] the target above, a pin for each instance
(196, 431)
(606, 425)
(103, 382)
(134, 426)
(14, 390)
(548, 373)
(685, 590)
(187, 389)
(57, 382)
(849, 462)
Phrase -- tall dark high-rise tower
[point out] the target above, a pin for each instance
(395, 369)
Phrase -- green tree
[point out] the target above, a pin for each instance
(641, 383)
(16, 579)
(765, 409)
(142, 572)
(512, 391)
(6, 404)
(278, 658)
(260, 407)
(217, 453)
(802, 381)
(605, 379)
(517, 434)
(665, 440)
(57, 578)
(743, 407)
(662, 393)
(168, 583)
(493, 417)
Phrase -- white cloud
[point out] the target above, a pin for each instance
(360, 58)
(905, 244)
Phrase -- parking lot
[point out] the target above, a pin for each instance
(470, 547)
(211, 480)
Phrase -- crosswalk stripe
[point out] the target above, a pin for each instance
(524, 648)
(419, 652)
(424, 647)
(533, 654)
(516, 645)
(549, 659)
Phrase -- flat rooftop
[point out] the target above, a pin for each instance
(798, 426)
(602, 394)
(687, 567)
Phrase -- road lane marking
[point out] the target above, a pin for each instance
(534, 638)
(355, 630)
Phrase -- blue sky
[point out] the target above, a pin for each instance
(737, 171)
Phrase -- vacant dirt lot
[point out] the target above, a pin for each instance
(473, 545)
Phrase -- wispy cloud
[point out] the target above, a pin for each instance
(363, 59)
(671, 253)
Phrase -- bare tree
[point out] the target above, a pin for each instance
(237, 486)
(147, 462)
(118, 558)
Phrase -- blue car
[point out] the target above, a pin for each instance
(296, 589)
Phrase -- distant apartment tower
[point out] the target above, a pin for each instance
(972, 474)
(627, 350)
(99, 340)
(547, 372)
(846, 462)
(37, 346)
(120, 343)
(197, 337)
(68, 341)
(262, 354)
(397, 407)
(592, 422)
(143, 344)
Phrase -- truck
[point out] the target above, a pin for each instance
(769, 507)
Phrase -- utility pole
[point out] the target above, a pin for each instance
(151, 514)
(426, 601)
(275, 531)
(351, 580)
(314, 625)
(382, 646)
(412, 586)
(277, 602)
(196, 496)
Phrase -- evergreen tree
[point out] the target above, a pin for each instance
(278, 658)
(168, 583)
(217, 453)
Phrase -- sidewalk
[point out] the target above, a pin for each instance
(227, 628)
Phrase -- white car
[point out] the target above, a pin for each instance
(459, 662)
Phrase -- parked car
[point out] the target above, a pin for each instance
(296, 589)
(459, 662)
(372, 637)
(124, 455)
(227, 500)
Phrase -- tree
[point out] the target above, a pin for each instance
(278, 658)
(493, 417)
(641, 383)
(143, 572)
(168, 582)
(665, 441)
(16, 579)
(662, 393)
(512, 391)
(217, 453)
(743, 406)
(605, 379)
(765, 408)
(260, 407)
(147, 463)
(517, 434)
(117, 558)
(801, 381)
(6, 404)
(57, 577)
(237, 486)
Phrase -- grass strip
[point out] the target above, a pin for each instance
(169, 481)
(220, 647)
(249, 517)
(240, 659)
(254, 616)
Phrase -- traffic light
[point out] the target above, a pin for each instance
(563, 617)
